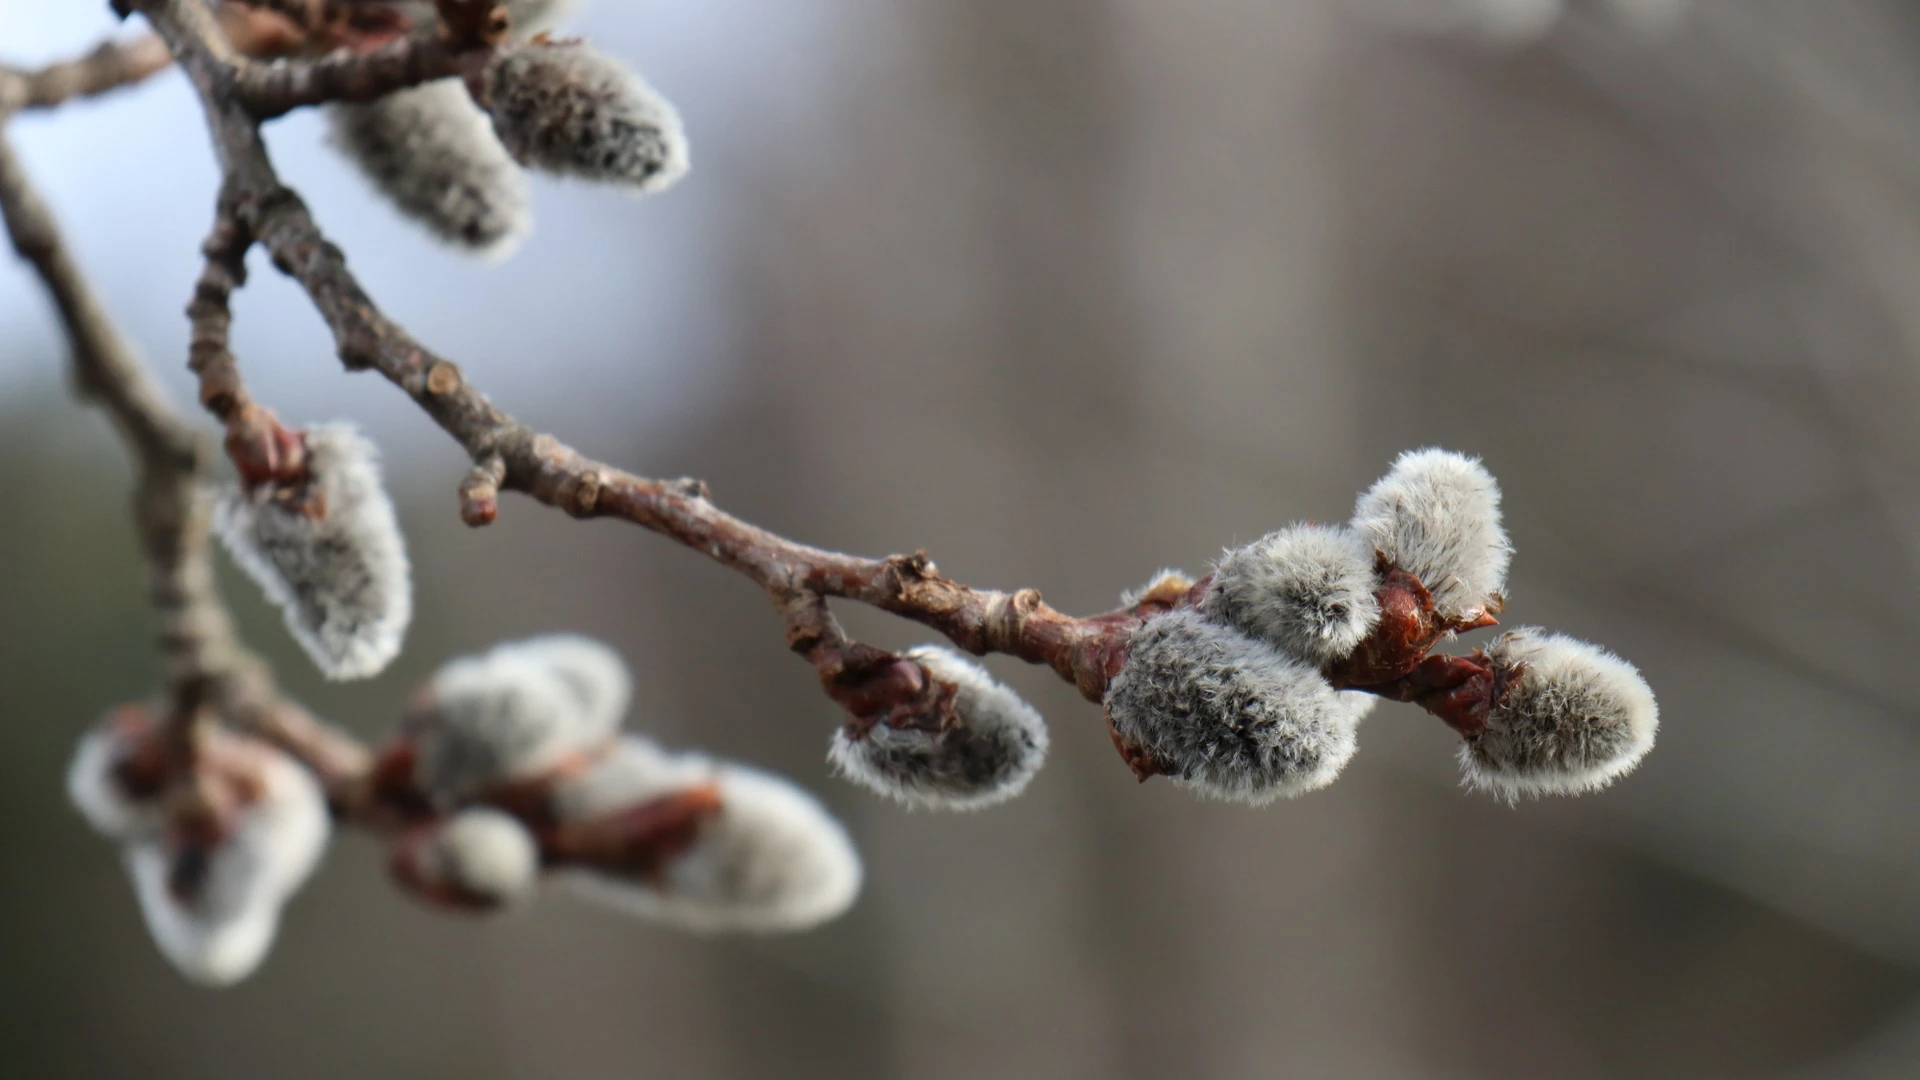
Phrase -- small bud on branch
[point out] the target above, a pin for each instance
(1568, 718)
(480, 859)
(982, 749)
(1436, 514)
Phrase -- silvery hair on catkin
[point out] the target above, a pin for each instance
(1436, 514)
(1306, 589)
(432, 153)
(1572, 718)
(337, 564)
(569, 109)
(988, 757)
(1229, 716)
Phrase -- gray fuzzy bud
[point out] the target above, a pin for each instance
(1437, 514)
(569, 109)
(1306, 589)
(989, 757)
(487, 856)
(1572, 718)
(337, 566)
(432, 152)
(1229, 716)
(495, 718)
(592, 671)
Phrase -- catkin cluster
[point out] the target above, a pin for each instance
(215, 847)
(449, 154)
(1255, 690)
(690, 841)
(512, 767)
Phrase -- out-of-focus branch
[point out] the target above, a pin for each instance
(278, 87)
(109, 66)
(222, 392)
(206, 666)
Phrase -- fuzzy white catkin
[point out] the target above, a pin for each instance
(591, 670)
(1437, 514)
(1306, 589)
(1228, 716)
(772, 859)
(486, 855)
(342, 578)
(1576, 719)
(990, 757)
(94, 791)
(432, 153)
(569, 109)
(494, 718)
(221, 933)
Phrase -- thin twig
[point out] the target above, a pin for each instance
(222, 391)
(109, 66)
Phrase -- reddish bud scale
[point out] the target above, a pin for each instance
(142, 773)
(1460, 690)
(1408, 630)
(531, 798)
(1143, 764)
(395, 789)
(392, 784)
(896, 691)
(637, 841)
(265, 452)
(203, 782)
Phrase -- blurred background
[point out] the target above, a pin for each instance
(1064, 292)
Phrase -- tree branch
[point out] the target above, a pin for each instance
(276, 88)
(109, 66)
(1086, 652)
